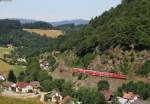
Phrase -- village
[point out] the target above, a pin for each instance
(25, 90)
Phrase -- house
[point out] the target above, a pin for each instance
(128, 98)
(44, 64)
(24, 87)
(2, 78)
(108, 94)
(7, 85)
(68, 100)
(56, 97)
(22, 60)
(9, 45)
(36, 86)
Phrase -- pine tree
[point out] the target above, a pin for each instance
(11, 76)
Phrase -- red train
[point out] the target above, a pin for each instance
(102, 74)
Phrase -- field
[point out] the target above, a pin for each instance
(6, 100)
(48, 33)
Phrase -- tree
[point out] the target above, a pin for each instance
(43, 75)
(145, 69)
(90, 96)
(21, 76)
(47, 85)
(11, 76)
(103, 85)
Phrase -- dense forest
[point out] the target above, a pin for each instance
(38, 25)
(127, 24)
(124, 26)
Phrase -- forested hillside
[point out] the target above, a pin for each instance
(127, 24)
(38, 25)
(27, 43)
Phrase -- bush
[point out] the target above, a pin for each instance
(139, 88)
(103, 85)
(90, 96)
(145, 69)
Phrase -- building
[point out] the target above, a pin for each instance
(36, 86)
(2, 78)
(24, 87)
(68, 100)
(7, 85)
(44, 64)
(108, 94)
(56, 97)
(9, 45)
(129, 98)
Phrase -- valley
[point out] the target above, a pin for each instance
(103, 61)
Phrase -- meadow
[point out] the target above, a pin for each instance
(7, 100)
(43, 32)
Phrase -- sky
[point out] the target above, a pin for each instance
(54, 10)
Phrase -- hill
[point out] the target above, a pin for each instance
(23, 21)
(75, 22)
(125, 26)
(45, 32)
(38, 25)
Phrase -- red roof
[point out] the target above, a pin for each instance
(22, 84)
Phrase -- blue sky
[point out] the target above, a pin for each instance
(55, 10)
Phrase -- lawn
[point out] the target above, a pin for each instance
(48, 33)
(6, 100)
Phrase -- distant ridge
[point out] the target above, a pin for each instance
(76, 22)
(57, 23)
(23, 21)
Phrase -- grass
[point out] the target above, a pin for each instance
(4, 67)
(7, 100)
(4, 51)
(48, 33)
(17, 69)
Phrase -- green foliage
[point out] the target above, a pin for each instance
(21, 77)
(47, 85)
(145, 69)
(125, 67)
(125, 25)
(6, 25)
(11, 76)
(33, 68)
(86, 59)
(38, 25)
(43, 75)
(140, 88)
(103, 85)
(90, 96)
